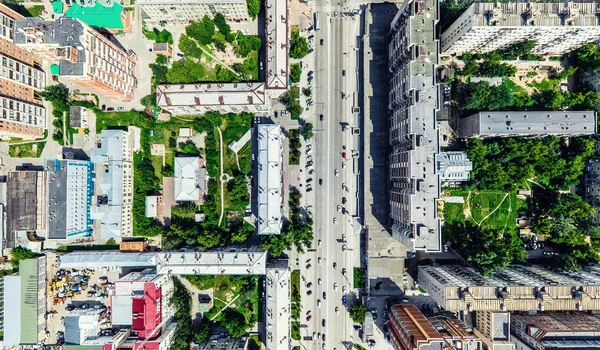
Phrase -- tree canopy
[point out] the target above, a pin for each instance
(221, 24)
(202, 30)
(189, 47)
(357, 313)
(298, 45)
(185, 72)
(19, 253)
(295, 72)
(253, 8)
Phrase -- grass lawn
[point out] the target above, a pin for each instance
(36, 10)
(295, 332)
(26, 150)
(244, 155)
(104, 120)
(157, 164)
(488, 208)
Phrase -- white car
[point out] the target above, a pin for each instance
(337, 310)
(308, 158)
(319, 260)
(319, 281)
(318, 302)
(336, 172)
(335, 220)
(335, 286)
(343, 165)
(319, 243)
(343, 289)
(339, 208)
(344, 248)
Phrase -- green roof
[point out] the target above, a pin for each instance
(98, 15)
(57, 7)
(54, 69)
(28, 270)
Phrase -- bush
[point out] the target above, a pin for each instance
(295, 73)
(298, 45)
(161, 59)
(253, 8)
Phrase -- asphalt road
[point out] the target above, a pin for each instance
(334, 96)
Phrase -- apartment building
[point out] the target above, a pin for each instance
(592, 185)
(556, 330)
(82, 55)
(410, 329)
(115, 202)
(173, 11)
(21, 111)
(528, 124)
(200, 98)
(276, 27)
(413, 103)
(277, 315)
(493, 328)
(557, 28)
(269, 180)
(516, 288)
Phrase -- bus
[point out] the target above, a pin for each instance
(316, 21)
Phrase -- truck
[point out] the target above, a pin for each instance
(316, 21)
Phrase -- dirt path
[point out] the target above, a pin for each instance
(225, 307)
(467, 207)
(493, 211)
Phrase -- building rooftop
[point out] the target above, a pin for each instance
(529, 123)
(78, 117)
(188, 179)
(423, 335)
(209, 94)
(84, 324)
(12, 310)
(269, 178)
(453, 166)
(277, 44)
(24, 191)
(246, 261)
(98, 16)
(222, 342)
(277, 315)
(70, 190)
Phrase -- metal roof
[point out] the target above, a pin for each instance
(269, 179)
(277, 44)
(210, 94)
(12, 310)
(187, 179)
(277, 315)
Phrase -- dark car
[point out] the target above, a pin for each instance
(308, 318)
(343, 72)
(321, 42)
(324, 295)
(110, 109)
(103, 107)
(309, 284)
(320, 181)
(321, 117)
(309, 292)
(343, 200)
(323, 323)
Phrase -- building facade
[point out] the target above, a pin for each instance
(170, 11)
(200, 98)
(114, 206)
(83, 56)
(557, 28)
(516, 288)
(413, 102)
(493, 328)
(528, 124)
(269, 180)
(277, 46)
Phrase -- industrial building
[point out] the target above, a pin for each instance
(25, 304)
(515, 288)
(183, 12)
(269, 179)
(200, 98)
(83, 326)
(277, 314)
(557, 28)
(242, 261)
(83, 55)
(69, 196)
(410, 329)
(21, 111)
(25, 205)
(528, 124)
(190, 179)
(413, 102)
(276, 27)
(116, 202)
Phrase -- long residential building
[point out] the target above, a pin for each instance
(592, 185)
(116, 203)
(83, 56)
(269, 180)
(187, 99)
(413, 102)
(182, 12)
(557, 28)
(277, 45)
(515, 288)
(21, 111)
(277, 313)
(528, 124)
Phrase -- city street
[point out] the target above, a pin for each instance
(337, 240)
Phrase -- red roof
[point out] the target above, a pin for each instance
(147, 311)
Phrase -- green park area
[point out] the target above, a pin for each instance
(495, 209)
(26, 150)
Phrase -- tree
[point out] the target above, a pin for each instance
(295, 72)
(189, 47)
(185, 72)
(221, 24)
(245, 44)
(148, 100)
(219, 41)
(307, 92)
(54, 93)
(253, 8)
(298, 45)
(20, 253)
(307, 131)
(238, 191)
(161, 59)
(234, 321)
(203, 332)
(357, 313)
(202, 30)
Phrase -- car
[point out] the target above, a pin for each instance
(150, 50)
(344, 248)
(343, 72)
(323, 322)
(309, 158)
(335, 265)
(343, 165)
(308, 187)
(323, 337)
(344, 271)
(309, 180)
(318, 302)
(309, 163)
(321, 41)
(343, 237)
(343, 289)
(179, 54)
(344, 186)
(335, 220)
(331, 20)
(320, 181)
(309, 284)
(308, 266)
(319, 335)
(343, 146)
(311, 172)
(308, 147)
(308, 318)
(344, 155)
(335, 286)
(339, 208)
(319, 243)
(261, 66)
(103, 107)
(120, 109)
(336, 172)
(319, 281)
(310, 77)
(334, 13)
(319, 260)
(344, 211)
(321, 117)
(324, 295)
(344, 299)
(309, 292)
(343, 200)
(110, 109)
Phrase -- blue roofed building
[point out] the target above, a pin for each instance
(69, 196)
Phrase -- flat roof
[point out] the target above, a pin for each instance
(12, 310)
(30, 294)
(210, 94)
(98, 16)
(277, 44)
(269, 178)
(277, 315)
(23, 192)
